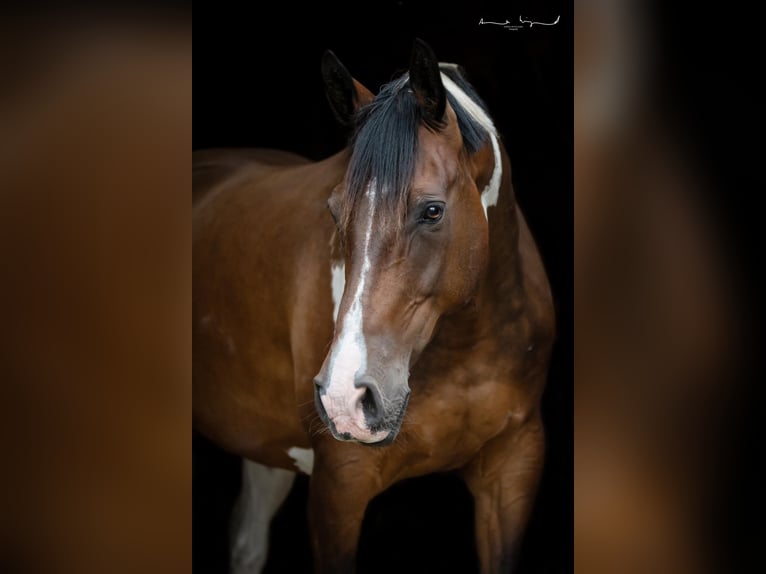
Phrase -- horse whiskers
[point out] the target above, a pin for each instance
(317, 427)
(309, 420)
(319, 430)
(308, 415)
(315, 424)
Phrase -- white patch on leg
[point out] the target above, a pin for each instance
(264, 490)
(338, 271)
(303, 457)
(491, 192)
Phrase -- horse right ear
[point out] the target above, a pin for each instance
(344, 93)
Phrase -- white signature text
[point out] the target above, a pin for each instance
(508, 25)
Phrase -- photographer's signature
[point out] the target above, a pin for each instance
(508, 25)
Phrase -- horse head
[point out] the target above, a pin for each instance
(413, 227)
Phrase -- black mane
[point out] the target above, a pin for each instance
(385, 142)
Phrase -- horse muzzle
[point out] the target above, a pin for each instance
(362, 413)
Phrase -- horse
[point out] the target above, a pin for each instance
(378, 315)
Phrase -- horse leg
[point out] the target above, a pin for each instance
(264, 490)
(503, 479)
(338, 495)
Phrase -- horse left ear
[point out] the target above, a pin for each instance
(344, 93)
(426, 82)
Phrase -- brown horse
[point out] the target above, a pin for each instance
(405, 332)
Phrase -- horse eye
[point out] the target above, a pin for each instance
(432, 213)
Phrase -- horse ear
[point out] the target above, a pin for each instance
(426, 81)
(344, 93)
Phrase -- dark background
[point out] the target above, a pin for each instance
(257, 83)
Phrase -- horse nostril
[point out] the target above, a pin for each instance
(319, 384)
(371, 401)
(369, 405)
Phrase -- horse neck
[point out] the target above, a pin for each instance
(502, 286)
(500, 294)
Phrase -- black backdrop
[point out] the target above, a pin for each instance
(257, 84)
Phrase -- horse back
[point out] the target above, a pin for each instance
(213, 166)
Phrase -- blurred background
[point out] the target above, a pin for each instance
(667, 315)
(259, 85)
(95, 124)
(95, 351)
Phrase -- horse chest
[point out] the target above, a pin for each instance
(451, 420)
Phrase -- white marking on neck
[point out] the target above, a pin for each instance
(350, 353)
(474, 109)
(338, 271)
(491, 192)
(303, 458)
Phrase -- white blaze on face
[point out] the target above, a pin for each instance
(341, 399)
(303, 459)
(491, 192)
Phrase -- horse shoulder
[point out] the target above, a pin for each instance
(275, 213)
